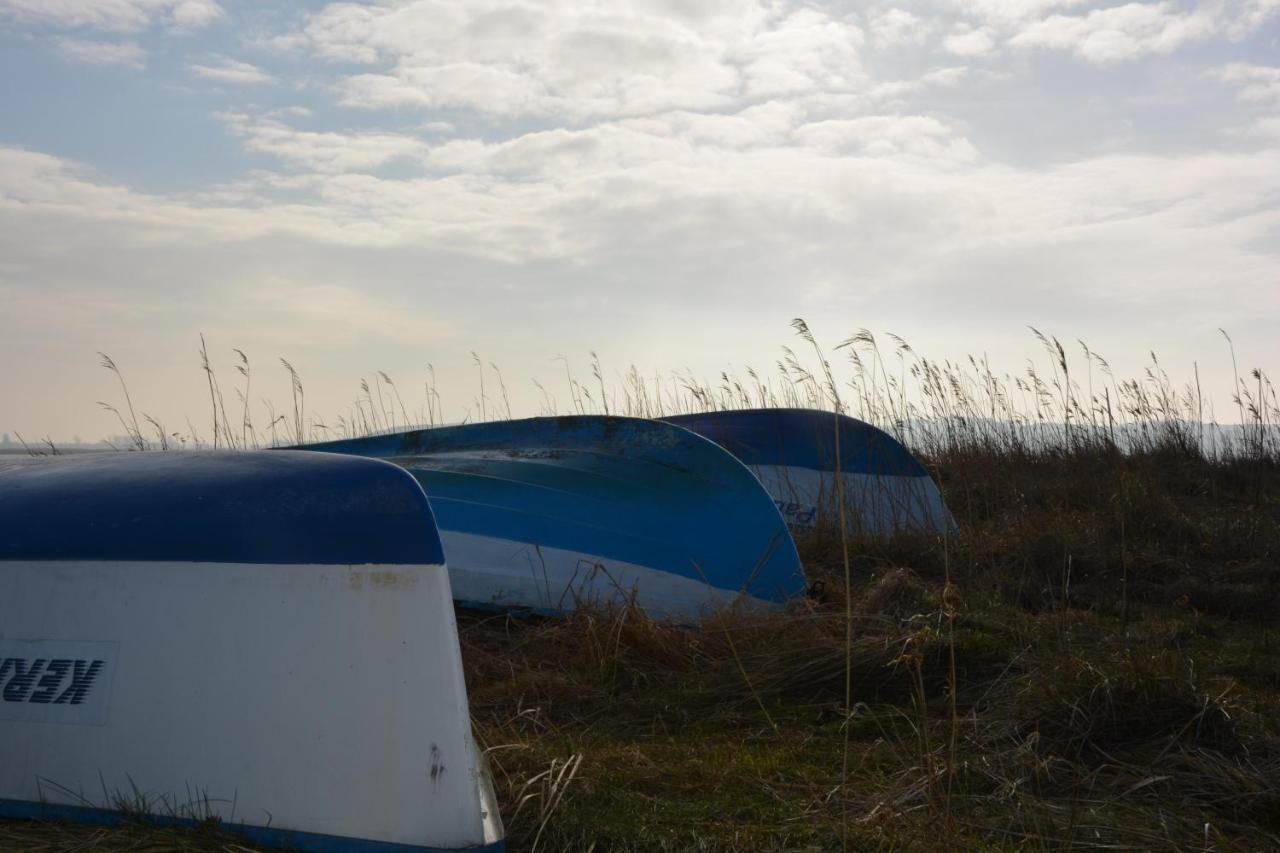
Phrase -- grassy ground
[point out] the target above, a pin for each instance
(1093, 662)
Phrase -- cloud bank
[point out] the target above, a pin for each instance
(403, 182)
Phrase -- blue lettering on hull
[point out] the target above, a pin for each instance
(797, 514)
(68, 680)
(56, 681)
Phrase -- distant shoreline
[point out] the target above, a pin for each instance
(43, 449)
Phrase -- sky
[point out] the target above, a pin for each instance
(381, 187)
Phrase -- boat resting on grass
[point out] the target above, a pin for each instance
(545, 514)
(794, 452)
(267, 639)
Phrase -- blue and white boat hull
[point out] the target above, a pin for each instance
(874, 503)
(794, 453)
(263, 638)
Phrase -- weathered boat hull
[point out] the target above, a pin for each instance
(545, 514)
(794, 453)
(266, 639)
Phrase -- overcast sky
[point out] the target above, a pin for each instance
(378, 187)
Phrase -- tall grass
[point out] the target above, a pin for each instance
(1059, 405)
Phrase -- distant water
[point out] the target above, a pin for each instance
(14, 449)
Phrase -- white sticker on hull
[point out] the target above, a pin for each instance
(56, 681)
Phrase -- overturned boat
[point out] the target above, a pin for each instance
(546, 514)
(262, 639)
(797, 453)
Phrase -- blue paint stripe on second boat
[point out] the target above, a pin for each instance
(804, 438)
(795, 452)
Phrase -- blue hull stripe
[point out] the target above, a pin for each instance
(804, 438)
(310, 842)
(626, 489)
(244, 507)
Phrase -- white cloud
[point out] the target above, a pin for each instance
(764, 126)
(485, 88)
(326, 152)
(1258, 84)
(1009, 14)
(113, 15)
(45, 187)
(948, 76)
(582, 61)
(548, 154)
(887, 137)
(894, 27)
(807, 51)
(765, 174)
(1118, 33)
(1266, 128)
(1245, 17)
(225, 70)
(969, 42)
(191, 15)
(284, 44)
(102, 52)
(461, 213)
